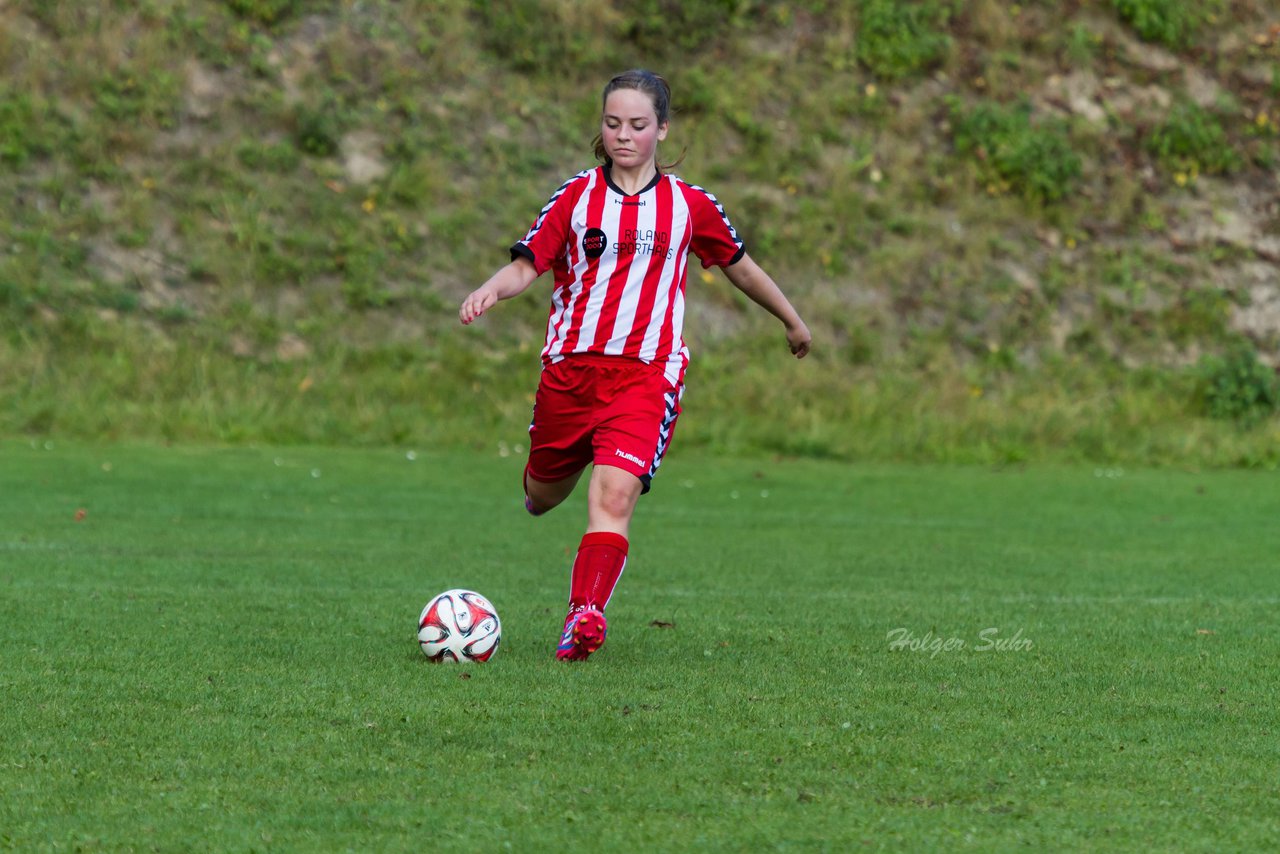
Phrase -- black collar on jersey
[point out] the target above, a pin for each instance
(608, 179)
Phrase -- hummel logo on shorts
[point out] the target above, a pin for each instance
(632, 457)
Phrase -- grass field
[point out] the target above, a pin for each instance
(213, 649)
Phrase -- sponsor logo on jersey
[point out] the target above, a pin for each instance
(594, 242)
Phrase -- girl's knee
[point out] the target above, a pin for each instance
(616, 498)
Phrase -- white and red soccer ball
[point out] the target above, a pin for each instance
(459, 625)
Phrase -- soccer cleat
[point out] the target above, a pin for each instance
(584, 631)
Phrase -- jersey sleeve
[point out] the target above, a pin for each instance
(714, 241)
(547, 237)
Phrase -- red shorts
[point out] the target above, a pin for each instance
(604, 410)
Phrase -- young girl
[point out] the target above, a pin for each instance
(617, 239)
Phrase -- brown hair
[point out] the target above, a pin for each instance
(658, 90)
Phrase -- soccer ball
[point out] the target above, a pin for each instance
(459, 625)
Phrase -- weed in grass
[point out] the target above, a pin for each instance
(269, 12)
(1198, 313)
(1191, 141)
(128, 96)
(573, 35)
(25, 127)
(1172, 23)
(899, 40)
(669, 29)
(318, 128)
(1037, 162)
(1081, 46)
(275, 157)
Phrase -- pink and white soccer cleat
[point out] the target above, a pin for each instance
(584, 631)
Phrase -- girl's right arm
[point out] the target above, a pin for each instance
(511, 280)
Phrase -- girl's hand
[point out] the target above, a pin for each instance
(798, 338)
(504, 284)
(477, 303)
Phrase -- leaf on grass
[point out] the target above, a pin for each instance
(662, 624)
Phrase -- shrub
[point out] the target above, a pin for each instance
(1237, 387)
(1037, 162)
(898, 40)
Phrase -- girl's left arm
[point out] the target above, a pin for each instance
(748, 277)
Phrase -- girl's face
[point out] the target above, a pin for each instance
(630, 129)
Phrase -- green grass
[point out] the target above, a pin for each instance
(219, 655)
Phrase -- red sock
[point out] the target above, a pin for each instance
(601, 558)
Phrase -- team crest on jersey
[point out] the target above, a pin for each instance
(594, 242)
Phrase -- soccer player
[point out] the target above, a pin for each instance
(617, 239)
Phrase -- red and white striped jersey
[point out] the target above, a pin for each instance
(621, 265)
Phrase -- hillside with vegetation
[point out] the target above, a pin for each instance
(1020, 231)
